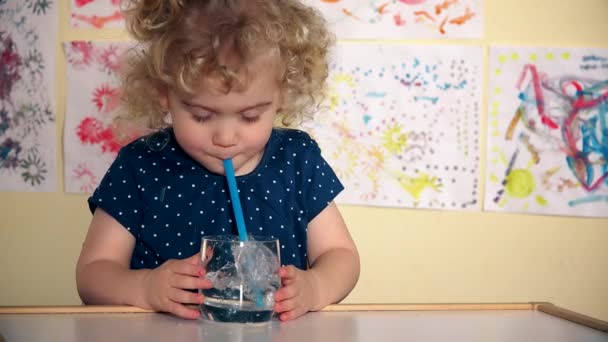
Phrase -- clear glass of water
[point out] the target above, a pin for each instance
(245, 276)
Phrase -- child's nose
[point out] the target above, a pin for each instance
(224, 137)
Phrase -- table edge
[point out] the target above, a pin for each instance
(333, 307)
(547, 308)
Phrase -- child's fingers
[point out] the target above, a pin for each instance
(189, 282)
(285, 293)
(194, 260)
(185, 268)
(183, 311)
(185, 297)
(288, 281)
(293, 314)
(285, 305)
(289, 271)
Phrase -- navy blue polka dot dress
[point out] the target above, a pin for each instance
(168, 201)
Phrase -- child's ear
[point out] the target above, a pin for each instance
(163, 98)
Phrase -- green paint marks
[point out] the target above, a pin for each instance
(533, 57)
(520, 183)
(541, 200)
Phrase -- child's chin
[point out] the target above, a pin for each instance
(215, 166)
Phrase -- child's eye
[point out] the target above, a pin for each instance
(200, 118)
(250, 119)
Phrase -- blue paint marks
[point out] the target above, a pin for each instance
(427, 98)
(594, 143)
(366, 118)
(410, 82)
(594, 58)
(376, 94)
(457, 86)
(588, 199)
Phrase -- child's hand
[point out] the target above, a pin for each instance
(165, 287)
(297, 296)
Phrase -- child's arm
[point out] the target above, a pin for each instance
(103, 275)
(334, 268)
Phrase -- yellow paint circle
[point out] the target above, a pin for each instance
(520, 183)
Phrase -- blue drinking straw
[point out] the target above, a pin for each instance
(236, 202)
(238, 215)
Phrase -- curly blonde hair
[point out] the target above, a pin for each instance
(181, 41)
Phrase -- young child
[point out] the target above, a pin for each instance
(212, 78)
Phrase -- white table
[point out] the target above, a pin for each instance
(377, 323)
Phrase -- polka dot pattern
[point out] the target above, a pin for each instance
(168, 201)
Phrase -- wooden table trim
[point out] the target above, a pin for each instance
(547, 308)
(573, 316)
(335, 307)
(430, 307)
(71, 309)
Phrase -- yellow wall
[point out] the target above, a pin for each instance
(411, 256)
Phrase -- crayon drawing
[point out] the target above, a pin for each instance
(28, 34)
(93, 98)
(400, 125)
(97, 14)
(382, 19)
(548, 131)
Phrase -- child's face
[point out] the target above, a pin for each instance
(212, 126)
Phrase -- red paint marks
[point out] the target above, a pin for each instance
(110, 59)
(97, 21)
(10, 63)
(468, 14)
(570, 126)
(424, 14)
(407, 84)
(106, 98)
(81, 54)
(411, 2)
(444, 5)
(538, 94)
(86, 176)
(81, 3)
(94, 132)
(398, 20)
(580, 163)
(350, 14)
(441, 29)
(383, 8)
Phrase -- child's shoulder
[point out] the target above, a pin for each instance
(294, 138)
(288, 146)
(155, 141)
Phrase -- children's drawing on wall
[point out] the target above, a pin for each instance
(96, 14)
(548, 131)
(401, 125)
(28, 34)
(369, 19)
(92, 101)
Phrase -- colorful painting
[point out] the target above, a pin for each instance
(548, 131)
(401, 125)
(92, 101)
(97, 14)
(28, 37)
(382, 19)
